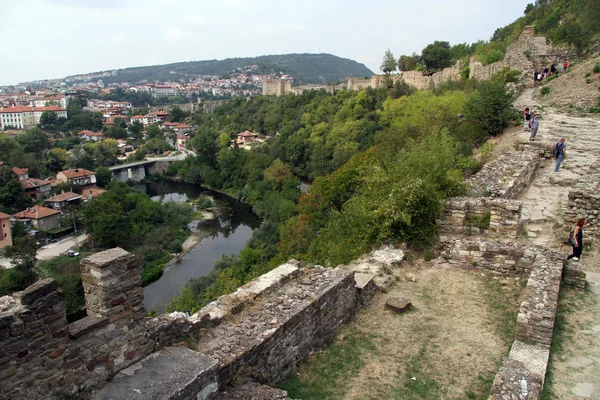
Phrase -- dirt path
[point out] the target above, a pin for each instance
(575, 358)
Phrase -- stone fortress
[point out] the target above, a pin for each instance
(238, 345)
(528, 55)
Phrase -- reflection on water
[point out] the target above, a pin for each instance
(227, 233)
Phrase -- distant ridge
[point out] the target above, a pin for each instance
(305, 68)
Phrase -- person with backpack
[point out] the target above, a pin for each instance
(559, 153)
(576, 239)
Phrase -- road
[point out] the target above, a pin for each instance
(53, 249)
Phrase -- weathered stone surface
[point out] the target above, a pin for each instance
(574, 274)
(399, 305)
(252, 391)
(85, 325)
(584, 202)
(505, 177)
(171, 374)
(38, 290)
(507, 383)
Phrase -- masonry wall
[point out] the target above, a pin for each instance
(584, 203)
(505, 177)
(495, 218)
(42, 356)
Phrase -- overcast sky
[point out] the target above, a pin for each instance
(55, 38)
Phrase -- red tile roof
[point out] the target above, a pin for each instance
(4, 216)
(247, 134)
(32, 183)
(85, 132)
(77, 173)
(20, 171)
(63, 197)
(22, 109)
(36, 212)
(94, 192)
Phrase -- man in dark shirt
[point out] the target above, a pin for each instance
(560, 153)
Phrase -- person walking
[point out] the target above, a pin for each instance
(565, 66)
(559, 153)
(578, 240)
(534, 125)
(526, 118)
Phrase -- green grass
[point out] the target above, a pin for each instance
(322, 377)
(597, 68)
(545, 90)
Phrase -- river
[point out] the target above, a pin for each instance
(226, 234)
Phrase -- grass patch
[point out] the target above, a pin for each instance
(323, 375)
(597, 68)
(545, 90)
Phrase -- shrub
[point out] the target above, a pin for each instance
(597, 68)
(491, 107)
(588, 74)
(545, 90)
(589, 80)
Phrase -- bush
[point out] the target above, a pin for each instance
(491, 107)
(597, 68)
(545, 90)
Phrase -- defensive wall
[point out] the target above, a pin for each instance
(482, 233)
(252, 337)
(527, 54)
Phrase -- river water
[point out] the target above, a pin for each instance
(226, 234)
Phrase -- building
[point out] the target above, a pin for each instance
(60, 101)
(246, 137)
(22, 173)
(92, 193)
(65, 199)
(25, 117)
(39, 217)
(77, 176)
(181, 142)
(5, 235)
(36, 188)
(89, 135)
(161, 90)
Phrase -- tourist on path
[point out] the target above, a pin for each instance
(578, 238)
(559, 151)
(526, 118)
(565, 66)
(535, 123)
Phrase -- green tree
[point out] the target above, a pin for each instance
(106, 221)
(22, 254)
(103, 176)
(176, 114)
(437, 55)
(48, 118)
(407, 63)
(388, 64)
(491, 107)
(34, 141)
(135, 130)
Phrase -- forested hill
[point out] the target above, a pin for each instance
(305, 68)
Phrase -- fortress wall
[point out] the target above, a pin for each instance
(467, 216)
(584, 203)
(505, 177)
(42, 356)
(261, 331)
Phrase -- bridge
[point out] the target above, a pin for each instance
(136, 171)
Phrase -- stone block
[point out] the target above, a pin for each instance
(399, 305)
(38, 290)
(175, 373)
(86, 325)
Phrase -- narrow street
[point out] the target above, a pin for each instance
(52, 249)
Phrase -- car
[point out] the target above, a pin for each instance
(71, 253)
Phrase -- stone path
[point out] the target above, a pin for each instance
(576, 362)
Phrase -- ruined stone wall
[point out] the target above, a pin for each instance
(505, 177)
(261, 332)
(42, 356)
(358, 83)
(480, 216)
(584, 202)
(277, 87)
(491, 256)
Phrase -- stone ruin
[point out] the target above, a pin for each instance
(233, 346)
(482, 233)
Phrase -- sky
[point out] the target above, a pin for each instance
(44, 39)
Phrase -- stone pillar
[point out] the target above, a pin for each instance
(112, 283)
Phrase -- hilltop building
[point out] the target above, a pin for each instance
(77, 176)
(161, 90)
(39, 217)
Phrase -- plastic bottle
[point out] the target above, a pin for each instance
(523, 387)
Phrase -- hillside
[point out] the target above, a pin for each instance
(305, 68)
